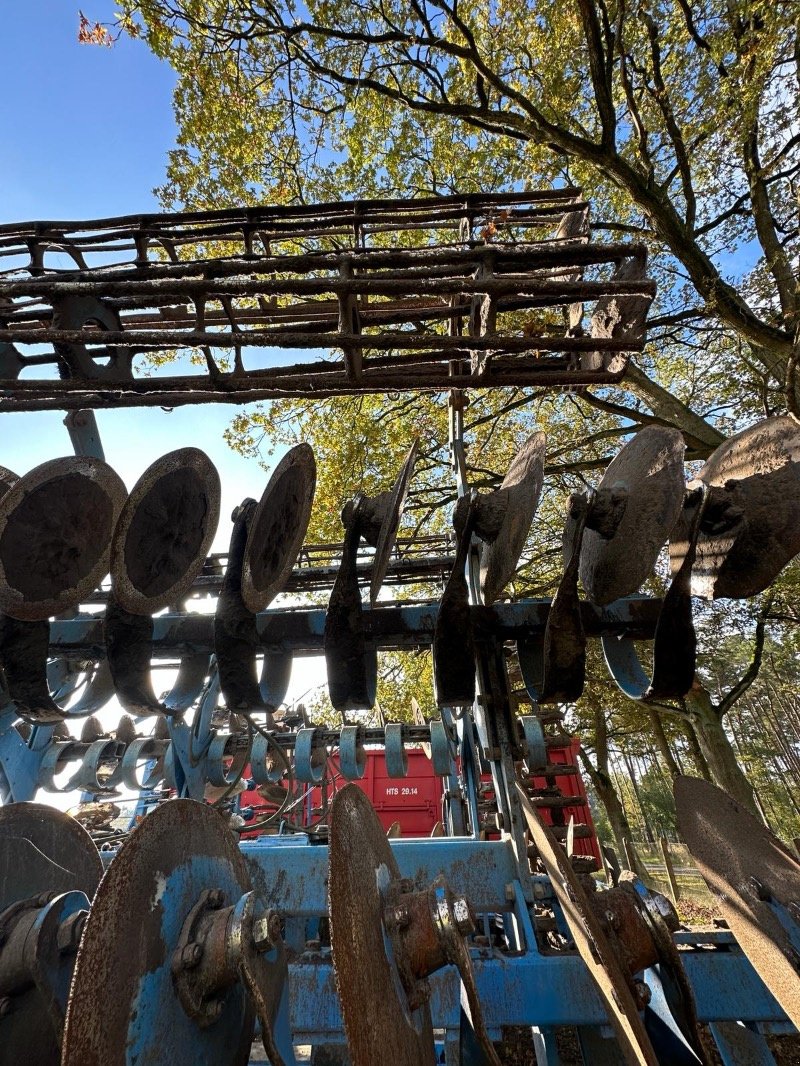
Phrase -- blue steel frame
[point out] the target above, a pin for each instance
(526, 988)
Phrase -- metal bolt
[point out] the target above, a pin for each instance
(398, 917)
(215, 899)
(70, 931)
(463, 916)
(611, 918)
(6, 1006)
(266, 931)
(643, 993)
(191, 955)
(665, 910)
(313, 945)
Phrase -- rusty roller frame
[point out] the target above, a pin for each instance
(419, 294)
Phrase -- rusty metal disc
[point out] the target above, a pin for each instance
(56, 525)
(123, 1006)
(751, 527)
(649, 471)
(44, 850)
(522, 487)
(391, 521)
(278, 527)
(165, 531)
(745, 866)
(592, 943)
(7, 480)
(377, 1021)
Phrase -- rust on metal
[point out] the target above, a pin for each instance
(56, 525)
(751, 526)
(593, 944)
(135, 923)
(278, 528)
(621, 917)
(378, 1019)
(165, 530)
(746, 867)
(519, 496)
(648, 474)
(372, 280)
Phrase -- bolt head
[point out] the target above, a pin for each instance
(191, 956)
(69, 933)
(643, 993)
(266, 931)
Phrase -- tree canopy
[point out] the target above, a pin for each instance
(678, 118)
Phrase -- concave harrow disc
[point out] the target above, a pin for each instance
(278, 527)
(649, 470)
(165, 531)
(56, 525)
(377, 1020)
(746, 867)
(522, 487)
(123, 1005)
(751, 526)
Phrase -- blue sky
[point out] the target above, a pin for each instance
(84, 133)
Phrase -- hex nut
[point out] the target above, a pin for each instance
(70, 931)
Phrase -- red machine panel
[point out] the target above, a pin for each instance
(415, 801)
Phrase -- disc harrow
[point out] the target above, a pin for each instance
(178, 931)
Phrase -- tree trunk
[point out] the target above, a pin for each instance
(617, 819)
(664, 405)
(698, 758)
(663, 744)
(717, 749)
(607, 794)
